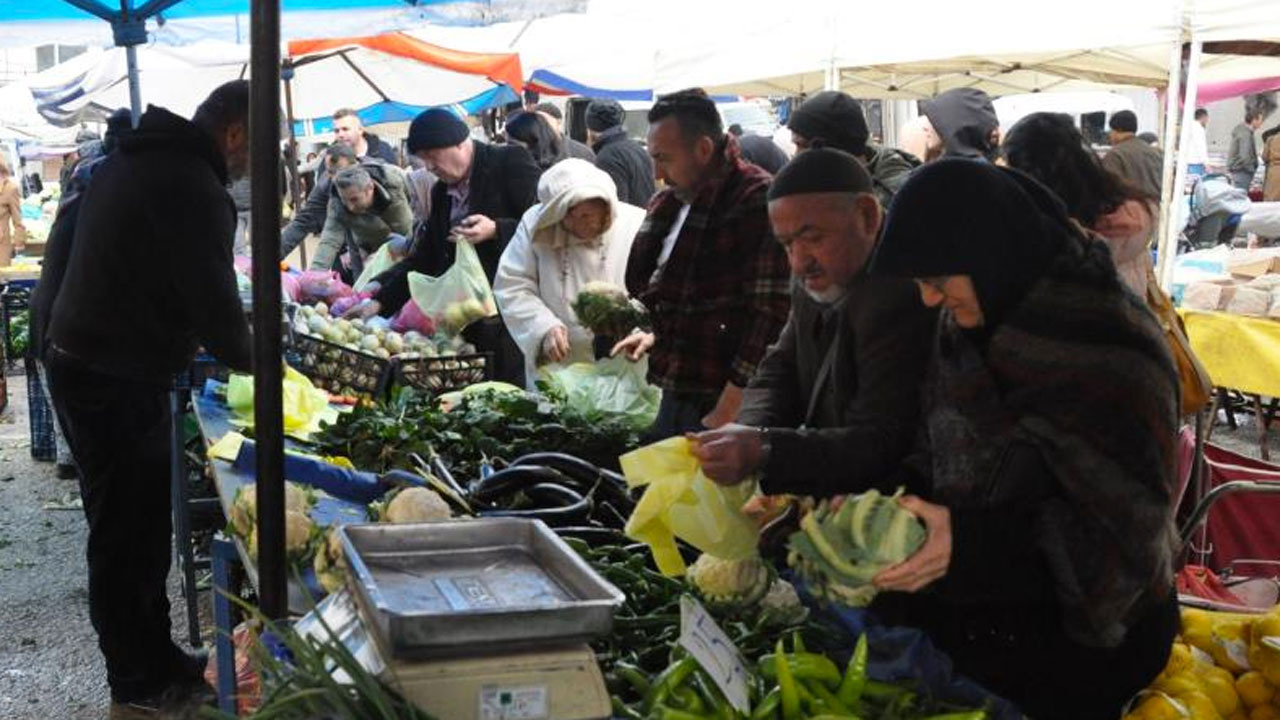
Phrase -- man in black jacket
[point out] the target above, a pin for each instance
(149, 279)
(626, 160)
(832, 408)
(482, 192)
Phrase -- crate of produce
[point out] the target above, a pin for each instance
(339, 369)
(443, 373)
(44, 445)
(15, 303)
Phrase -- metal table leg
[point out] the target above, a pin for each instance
(182, 510)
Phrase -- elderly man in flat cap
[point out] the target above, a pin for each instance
(833, 406)
(626, 160)
(483, 191)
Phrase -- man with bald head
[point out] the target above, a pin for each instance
(832, 408)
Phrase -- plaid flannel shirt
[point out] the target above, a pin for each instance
(724, 293)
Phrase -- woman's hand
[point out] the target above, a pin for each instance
(634, 346)
(933, 558)
(555, 344)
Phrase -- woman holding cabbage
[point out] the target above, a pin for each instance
(579, 233)
(1047, 467)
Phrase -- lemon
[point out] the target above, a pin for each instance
(1253, 689)
(1220, 686)
(1200, 706)
(1158, 706)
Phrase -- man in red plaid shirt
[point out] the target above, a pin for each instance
(707, 267)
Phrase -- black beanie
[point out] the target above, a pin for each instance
(821, 170)
(834, 118)
(604, 114)
(436, 128)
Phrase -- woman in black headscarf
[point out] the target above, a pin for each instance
(1048, 464)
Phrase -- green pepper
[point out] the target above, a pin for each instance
(688, 699)
(806, 666)
(767, 709)
(787, 686)
(797, 642)
(668, 713)
(634, 677)
(827, 697)
(706, 687)
(623, 711)
(670, 679)
(969, 715)
(855, 675)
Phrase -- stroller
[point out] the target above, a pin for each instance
(1216, 209)
(1228, 530)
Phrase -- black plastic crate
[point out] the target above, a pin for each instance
(338, 369)
(442, 374)
(44, 444)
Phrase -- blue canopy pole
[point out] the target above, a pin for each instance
(135, 89)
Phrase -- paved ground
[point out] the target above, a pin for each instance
(50, 668)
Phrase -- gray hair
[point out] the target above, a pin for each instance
(353, 177)
(341, 151)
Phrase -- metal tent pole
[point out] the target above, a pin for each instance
(291, 155)
(135, 87)
(1185, 117)
(268, 416)
(1166, 238)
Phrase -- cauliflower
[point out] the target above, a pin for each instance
(738, 583)
(329, 564)
(781, 606)
(416, 504)
(298, 529)
(244, 509)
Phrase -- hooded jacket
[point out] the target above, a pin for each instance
(544, 266)
(628, 164)
(391, 213)
(150, 275)
(964, 118)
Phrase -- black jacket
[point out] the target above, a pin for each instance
(150, 275)
(862, 419)
(575, 149)
(628, 163)
(504, 183)
(762, 151)
(380, 149)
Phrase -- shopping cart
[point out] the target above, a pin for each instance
(1230, 534)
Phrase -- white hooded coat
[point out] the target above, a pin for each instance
(544, 266)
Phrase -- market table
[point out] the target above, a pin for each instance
(1241, 353)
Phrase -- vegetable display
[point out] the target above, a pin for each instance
(839, 550)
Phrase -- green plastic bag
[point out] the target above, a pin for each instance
(379, 262)
(614, 386)
(459, 297)
(682, 502)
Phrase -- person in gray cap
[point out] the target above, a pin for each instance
(834, 119)
(624, 159)
(835, 390)
(482, 192)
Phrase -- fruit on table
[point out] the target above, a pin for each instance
(1254, 689)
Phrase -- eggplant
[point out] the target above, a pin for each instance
(574, 508)
(594, 536)
(606, 484)
(512, 480)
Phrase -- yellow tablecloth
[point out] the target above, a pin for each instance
(1241, 353)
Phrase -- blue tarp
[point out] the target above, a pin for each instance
(41, 10)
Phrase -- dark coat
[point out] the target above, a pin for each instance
(762, 152)
(628, 163)
(1138, 163)
(381, 149)
(890, 168)
(575, 149)
(864, 416)
(150, 275)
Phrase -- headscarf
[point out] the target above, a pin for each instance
(563, 186)
(1073, 365)
(964, 119)
(966, 217)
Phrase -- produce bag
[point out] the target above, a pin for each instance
(379, 262)
(305, 406)
(615, 386)
(458, 297)
(290, 288)
(321, 286)
(411, 317)
(682, 502)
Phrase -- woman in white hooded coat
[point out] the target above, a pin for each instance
(579, 232)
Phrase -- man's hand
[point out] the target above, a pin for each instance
(730, 454)
(933, 558)
(364, 310)
(555, 344)
(634, 346)
(475, 229)
(726, 409)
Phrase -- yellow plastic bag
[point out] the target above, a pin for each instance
(379, 262)
(459, 297)
(304, 405)
(682, 502)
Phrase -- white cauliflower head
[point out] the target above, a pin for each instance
(417, 504)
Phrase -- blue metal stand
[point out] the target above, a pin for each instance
(224, 557)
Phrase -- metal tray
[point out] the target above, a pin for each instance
(462, 587)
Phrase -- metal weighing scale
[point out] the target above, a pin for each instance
(479, 620)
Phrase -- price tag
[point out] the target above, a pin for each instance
(707, 643)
